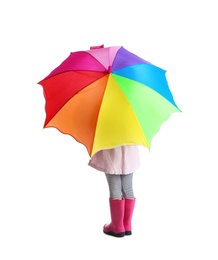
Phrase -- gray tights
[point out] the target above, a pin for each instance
(120, 186)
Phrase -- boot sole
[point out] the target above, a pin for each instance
(111, 233)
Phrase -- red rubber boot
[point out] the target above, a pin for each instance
(116, 227)
(128, 212)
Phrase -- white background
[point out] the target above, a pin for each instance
(52, 204)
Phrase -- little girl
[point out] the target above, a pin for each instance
(118, 164)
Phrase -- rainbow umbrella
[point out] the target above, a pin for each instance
(107, 97)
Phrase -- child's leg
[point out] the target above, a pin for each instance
(126, 186)
(114, 183)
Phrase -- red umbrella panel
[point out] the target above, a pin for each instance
(106, 97)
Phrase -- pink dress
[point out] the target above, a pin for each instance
(119, 160)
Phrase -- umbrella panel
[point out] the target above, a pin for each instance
(78, 117)
(60, 88)
(149, 75)
(151, 108)
(117, 122)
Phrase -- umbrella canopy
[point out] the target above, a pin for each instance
(107, 97)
